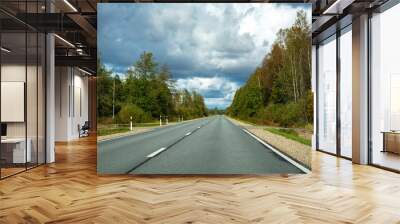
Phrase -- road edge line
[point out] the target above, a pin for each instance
(290, 160)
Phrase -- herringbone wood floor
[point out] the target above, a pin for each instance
(69, 191)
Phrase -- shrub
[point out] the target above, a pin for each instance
(286, 115)
(104, 120)
(138, 115)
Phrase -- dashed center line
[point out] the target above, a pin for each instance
(164, 148)
(156, 152)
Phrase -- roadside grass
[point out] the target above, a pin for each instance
(289, 134)
(109, 129)
(147, 124)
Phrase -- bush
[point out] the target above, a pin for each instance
(286, 115)
(309, 127)
(104, 120)
(138, 115)
(310, 106)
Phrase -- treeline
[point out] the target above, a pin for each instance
(279, 90)
(146, 92)
(216, 111)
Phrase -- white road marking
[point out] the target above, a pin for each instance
(296, 164)
(164, 148)
(156, 152)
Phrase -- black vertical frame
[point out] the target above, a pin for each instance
(317, 97)
(44, 79)
(1, 166)
(37, 90)
(338, 73)
(26, 86)
(369, 98)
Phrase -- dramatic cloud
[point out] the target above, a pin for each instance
(209, 41)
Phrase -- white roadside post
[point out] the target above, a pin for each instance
(160, 121)
(131, 123)
(167, 120)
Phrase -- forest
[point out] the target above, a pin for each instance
(145, 93)
(278, 92)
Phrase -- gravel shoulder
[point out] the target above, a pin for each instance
(297, 151)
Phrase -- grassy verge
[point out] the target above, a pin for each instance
(289, 134)
(110, 129)
(147, 124)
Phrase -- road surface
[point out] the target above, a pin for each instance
(212, 145)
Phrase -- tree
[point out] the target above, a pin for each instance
(147, 92)
(278, 91)
(146, 67)
(104, 90)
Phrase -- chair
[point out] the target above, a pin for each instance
(84, 130)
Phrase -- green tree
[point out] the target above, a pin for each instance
(131, 110)
(147, 92)
(104, 90)
(279, 90)
(146, 67)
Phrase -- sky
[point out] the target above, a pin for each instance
(209, 48)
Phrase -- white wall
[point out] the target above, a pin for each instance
(71, 102)
(62, 82)
(13, 101)
(79, 110)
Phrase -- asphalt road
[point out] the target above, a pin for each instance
(211, 145)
